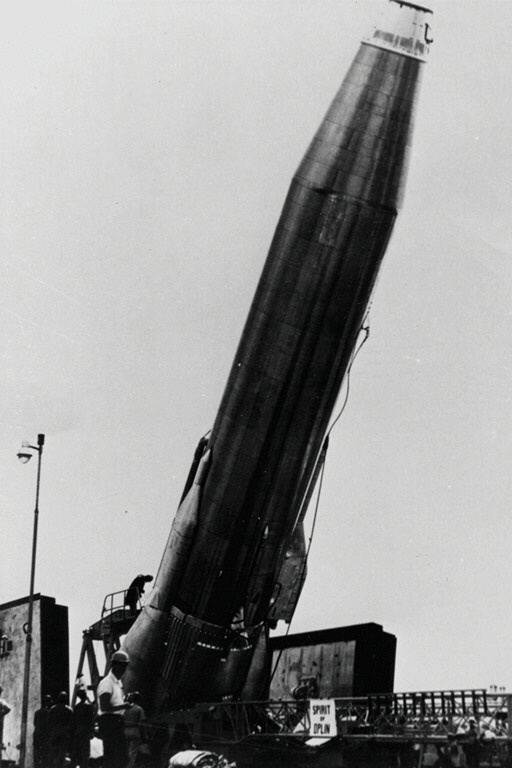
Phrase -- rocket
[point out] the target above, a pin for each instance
(234, 563)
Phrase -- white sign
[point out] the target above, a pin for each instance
(322, 718)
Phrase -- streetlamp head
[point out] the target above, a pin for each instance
(24, 455)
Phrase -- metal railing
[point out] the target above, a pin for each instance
(115, 603)
(426, 716)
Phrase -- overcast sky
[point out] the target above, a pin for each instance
(146, 151)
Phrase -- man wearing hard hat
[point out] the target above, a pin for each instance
(111, 707)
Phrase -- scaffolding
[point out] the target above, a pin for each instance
(116, 619)
(414, 717)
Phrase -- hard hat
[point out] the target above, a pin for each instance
(121, 656)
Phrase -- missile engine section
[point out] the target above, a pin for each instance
(226, 566)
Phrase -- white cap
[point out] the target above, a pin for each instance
(404, 28)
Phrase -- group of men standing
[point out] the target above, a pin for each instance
(60, 731)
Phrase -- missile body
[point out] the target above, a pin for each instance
(294, 351)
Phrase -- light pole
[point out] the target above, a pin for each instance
(24, 455)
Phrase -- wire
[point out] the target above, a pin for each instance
(366, 329)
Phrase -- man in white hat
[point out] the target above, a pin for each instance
(111, 707)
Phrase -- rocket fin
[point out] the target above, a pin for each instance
(145, 641)
(179, 541)
(294, 567)
(291, 577)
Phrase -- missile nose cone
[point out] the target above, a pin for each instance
(403, 28)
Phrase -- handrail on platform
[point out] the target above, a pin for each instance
(426, 716)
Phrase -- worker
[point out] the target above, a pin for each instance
(472, 745)
(134, 727)
(41, 738)
(135, 590)
(96, 749)
(111, 707)
(4, 707)
(4, 710)
(83, 720)
(455, 752)
(61, 723)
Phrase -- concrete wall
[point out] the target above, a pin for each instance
(49, 665)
